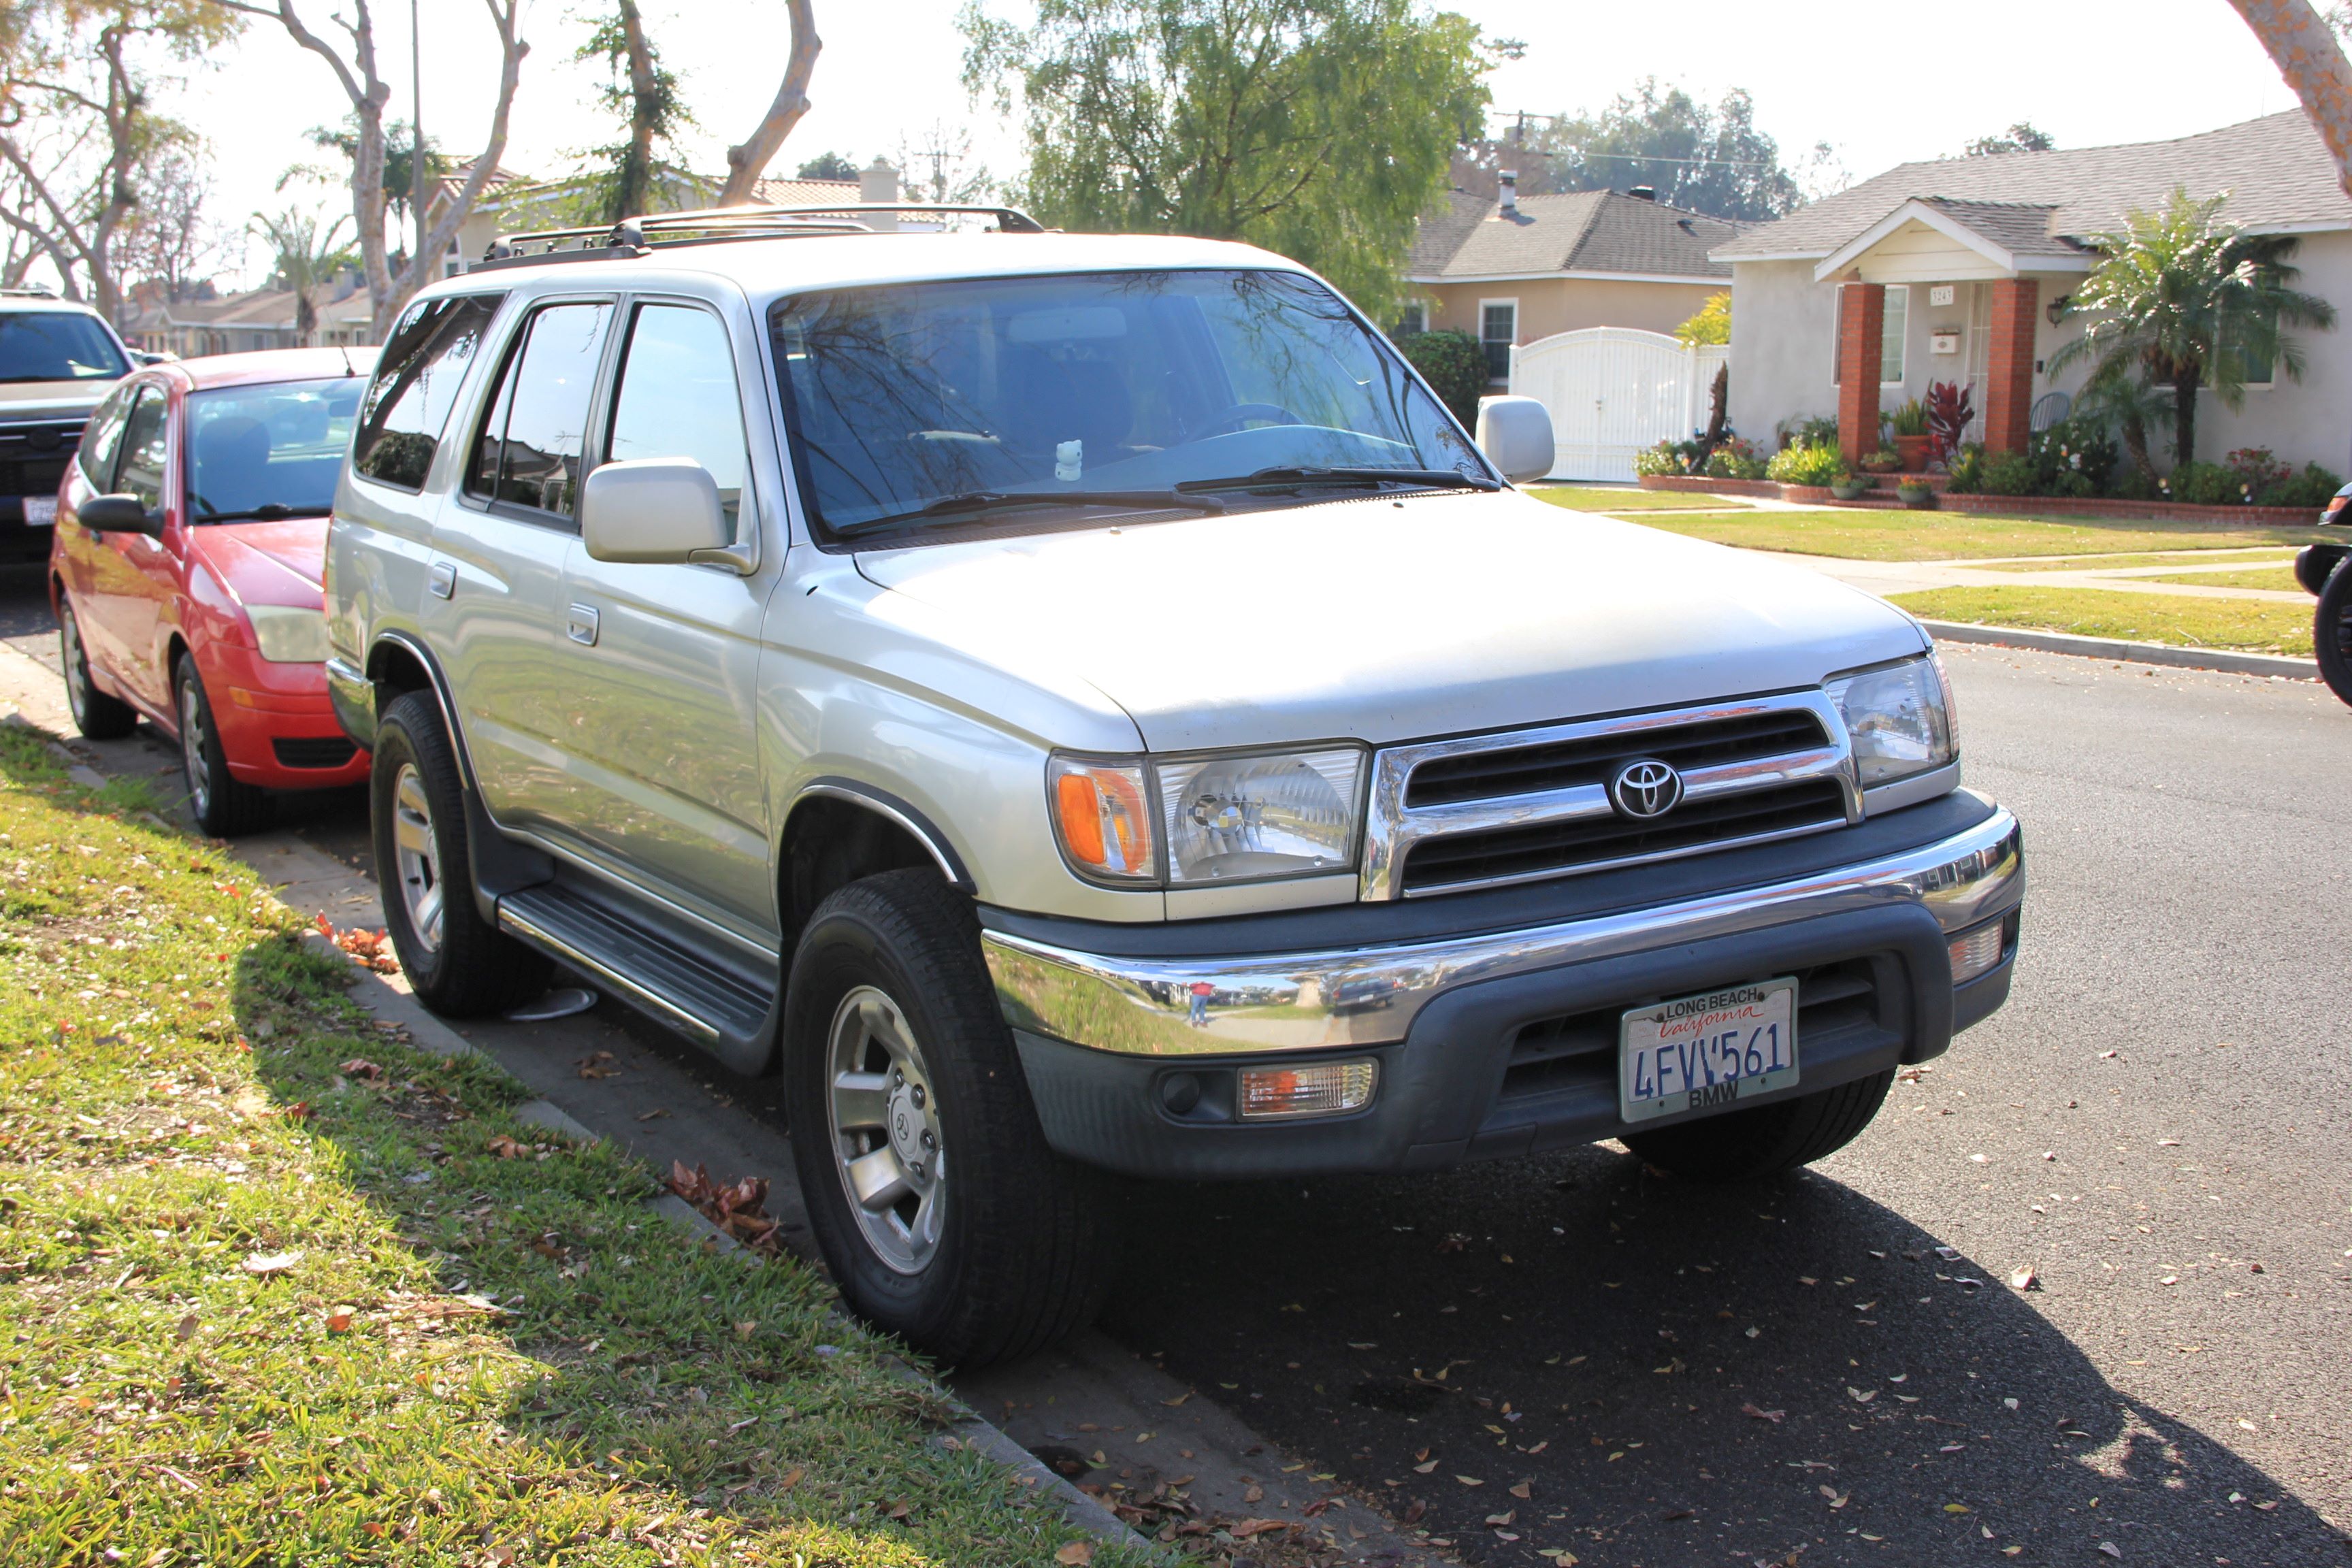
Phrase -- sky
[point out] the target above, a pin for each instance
(1916, 81)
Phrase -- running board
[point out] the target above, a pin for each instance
(676, 986)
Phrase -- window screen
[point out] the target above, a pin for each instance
(416, 381)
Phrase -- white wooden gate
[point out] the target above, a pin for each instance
(1613, 390)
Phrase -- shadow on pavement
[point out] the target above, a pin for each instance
(1575, 1354)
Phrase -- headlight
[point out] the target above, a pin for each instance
(288, 636)
(1218, 819)
(1898, 718)
(1235, 819)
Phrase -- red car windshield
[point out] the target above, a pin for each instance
(270, 451)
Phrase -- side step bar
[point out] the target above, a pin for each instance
(678, 987)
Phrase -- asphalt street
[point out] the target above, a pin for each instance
(1576, 1359)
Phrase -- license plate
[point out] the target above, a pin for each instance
(1710, 1049)
(40, 512)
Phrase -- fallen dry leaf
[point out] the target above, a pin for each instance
(2024, 1278)
(1506, 1517)
(188, 1327)
(338, 1322)
(271, 1262)
(360, 1066)
(1523, 1492)
(506, 1147)
(599, 1064)
(1774, 1416)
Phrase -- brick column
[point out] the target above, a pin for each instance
(2009, 385)
(1861, 329)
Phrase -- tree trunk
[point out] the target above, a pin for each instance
(2304, 49)
(633, 193)
(2136, 442)
(2185, 380)
(746, 163)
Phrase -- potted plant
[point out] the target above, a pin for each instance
(1912, 437)
(1852, 487)
(1885, 460)
(1917, 496)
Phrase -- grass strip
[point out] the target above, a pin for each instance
(2280, 578)
(1869, 535)
(1587, 497)
(278, 1288)
(2183, 559)
(2245, 626)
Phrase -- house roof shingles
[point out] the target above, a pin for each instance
(2277, 170)
(1583, 231)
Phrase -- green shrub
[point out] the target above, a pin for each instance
(1967, 471)
(2204, 484)
(2073, 447)
(1816, 430)
(2133, 484)
(1664, 459)
(1819, 466)
(1455, 368)
(2312, 489)
(1909, 418)
(2009, 474)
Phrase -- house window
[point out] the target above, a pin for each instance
(2255, 370)
(1890, 340)
(1498, 329)
(1412, 321)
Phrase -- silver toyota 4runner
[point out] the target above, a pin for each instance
(1079, 707)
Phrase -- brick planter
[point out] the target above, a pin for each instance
(1883, 496)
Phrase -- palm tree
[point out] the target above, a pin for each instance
(304, 258)
(2182, 300)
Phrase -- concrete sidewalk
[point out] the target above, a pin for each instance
(1887, 577)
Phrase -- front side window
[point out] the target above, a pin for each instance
(57, 345)
(268, 451)
(909, 401)
(677, 399)
(416, 382)
(143, 449)
(104, 438)
(530, 448)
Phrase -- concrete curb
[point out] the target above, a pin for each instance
(2116, 649)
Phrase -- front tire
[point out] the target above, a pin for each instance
(457, 963)
(1748, 1145)
(95, 714)
(945, 1217)
(2332, 633)
(223, 805)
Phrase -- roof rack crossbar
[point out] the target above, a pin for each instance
(639, 236)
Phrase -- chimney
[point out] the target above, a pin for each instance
(1507, 186)
(1643, 193)
(878, 181)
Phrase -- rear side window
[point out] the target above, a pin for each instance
(530, 448)
(143, 449)
(416, 381)
(103, 435)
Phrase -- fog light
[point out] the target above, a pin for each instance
(1975, 952)
(1324, 1088)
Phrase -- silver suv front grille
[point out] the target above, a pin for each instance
(1451, 815)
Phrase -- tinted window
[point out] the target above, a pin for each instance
(103, 437)
(416, 381)
(529, 449)
(267, 451)
(143, 450)
(678, 398)
(57, 345)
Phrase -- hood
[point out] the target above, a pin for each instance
(278, 563)
(1386, 620)
(52, 399)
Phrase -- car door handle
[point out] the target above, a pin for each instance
(579, 624)
(441, 579)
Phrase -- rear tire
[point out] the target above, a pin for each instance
(1744, 1145)
(975, 1242)
(2332, 633)
(457, 963)
(223, 805)
(95, 714)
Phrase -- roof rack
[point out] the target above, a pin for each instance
(640, 236)
(35, 292)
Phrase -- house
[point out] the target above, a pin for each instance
(203, 322)
(1958, 270)
(1520, 269)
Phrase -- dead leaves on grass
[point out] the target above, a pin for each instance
(368, 949)
(738, 1208)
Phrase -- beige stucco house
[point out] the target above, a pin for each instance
(1521, 269)
(1955, 271)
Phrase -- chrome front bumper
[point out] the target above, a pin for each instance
(1370, 995)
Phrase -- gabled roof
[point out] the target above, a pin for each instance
(2277, 170)
(2012, 236)
(1580, 233)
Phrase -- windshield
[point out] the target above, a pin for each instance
(935, 395)
(268, 451)
(56, 345)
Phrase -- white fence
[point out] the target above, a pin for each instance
(1613, 390)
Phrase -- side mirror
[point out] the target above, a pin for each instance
(652, 510)
(1515, 435)
(120, 514)
(153, 356)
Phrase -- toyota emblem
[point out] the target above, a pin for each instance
(1645, 789)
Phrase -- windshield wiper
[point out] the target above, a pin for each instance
(1268, 479)
(956, 508)
(268, 511)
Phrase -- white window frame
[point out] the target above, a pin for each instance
(1902, 338)
(1513, 301)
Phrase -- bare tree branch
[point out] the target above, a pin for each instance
(2304, 48)
(746, 163)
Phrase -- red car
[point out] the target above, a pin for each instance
(190, 535)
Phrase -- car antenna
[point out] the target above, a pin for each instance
(344, 349)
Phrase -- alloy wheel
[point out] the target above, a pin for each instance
(76, 669)
(192, 735)
(418, 854)
(887, 1140)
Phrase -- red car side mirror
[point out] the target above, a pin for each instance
(120, 514)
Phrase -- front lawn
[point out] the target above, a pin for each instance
(1593, 498)
(2181, 558)
(2246, 626)
(278, 1287)
(2281, 578)
(1863, 534)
